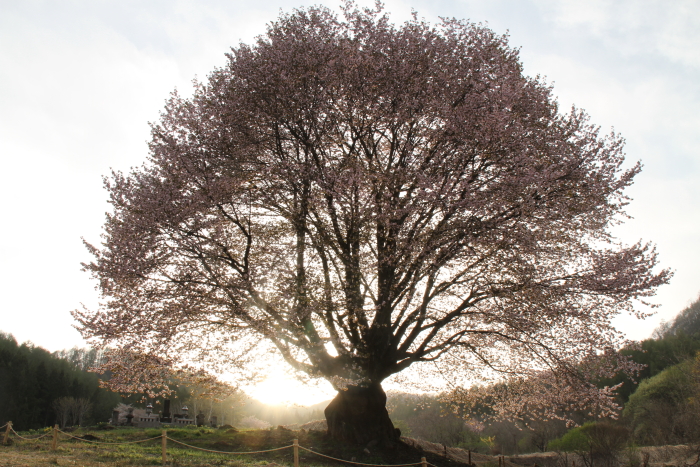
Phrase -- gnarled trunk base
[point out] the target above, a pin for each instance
(358, 415)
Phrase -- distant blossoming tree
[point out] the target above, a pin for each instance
(358, 197)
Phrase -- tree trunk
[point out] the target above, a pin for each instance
(358, 415)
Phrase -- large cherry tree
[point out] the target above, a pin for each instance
(358, 198)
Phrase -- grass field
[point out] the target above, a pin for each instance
(72, 452)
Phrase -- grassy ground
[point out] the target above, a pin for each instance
(71, 452)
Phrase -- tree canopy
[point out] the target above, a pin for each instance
(665, 408)
(358, 197)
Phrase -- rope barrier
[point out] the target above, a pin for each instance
(164, 437)
(1, 427)
(227, 452)
(104, 442)
(30, 439)
(358, 463)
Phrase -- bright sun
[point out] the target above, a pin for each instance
(280, 388)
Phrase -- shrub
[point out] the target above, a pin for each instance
(598, 443)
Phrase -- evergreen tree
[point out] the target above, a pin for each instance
(31, 379)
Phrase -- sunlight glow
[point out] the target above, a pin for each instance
(282, 389)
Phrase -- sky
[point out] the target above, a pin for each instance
(80, 80)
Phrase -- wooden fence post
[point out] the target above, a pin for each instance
(7, 433)
(469, 456)
(423, 462)
(164, 446)
(54, 441)
(296, 453)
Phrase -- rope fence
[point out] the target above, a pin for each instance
(164, 445)
(30, 439)
(359, 463)
(104, 442)
(227, 452)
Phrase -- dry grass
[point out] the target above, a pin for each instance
(71, 452)
(458, 454)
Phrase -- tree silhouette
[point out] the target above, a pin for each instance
(357, 198)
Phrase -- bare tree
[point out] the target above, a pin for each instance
(79, 409)
(63, 407)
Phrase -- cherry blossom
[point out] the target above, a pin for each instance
(358, 198)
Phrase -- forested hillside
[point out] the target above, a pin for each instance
(38, 389)
(672, 343)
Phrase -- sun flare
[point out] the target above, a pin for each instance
(282, 389)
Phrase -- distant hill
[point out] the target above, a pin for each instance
(686, 322)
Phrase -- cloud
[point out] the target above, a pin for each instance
(670, 31)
